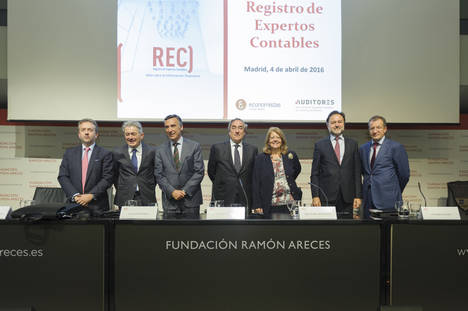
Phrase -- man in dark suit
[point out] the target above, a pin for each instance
(179, 169)
(336, 170)
(134, 177)
(230, 167)
(85, 173)
(385, 168)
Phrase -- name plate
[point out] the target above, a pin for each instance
(138, 213)
(5, 212)
(317, 212)
(440, 213)
(225, 212)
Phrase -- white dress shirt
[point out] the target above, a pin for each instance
(233, 149)
(90, 152)
(179, 146)
(139, 153)
(341, 142)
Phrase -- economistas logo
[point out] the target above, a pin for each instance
(241, 104)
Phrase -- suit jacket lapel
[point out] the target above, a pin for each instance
(94, 155)
(169, 154)
(245, 155)
(228, 154)
(126, 155)
(285, 164)
(367, 155)
(382, 150)
(269, 165)
(186, 149)
(144, 156)
(347, 149)
(332, 151)
(78, 155)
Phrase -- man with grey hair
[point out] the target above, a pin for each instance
(85, 173)
(230, 167)
(134, 167)
(179, 169)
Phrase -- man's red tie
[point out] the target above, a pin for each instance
(372, 161)
(337, 149)
(84, 167)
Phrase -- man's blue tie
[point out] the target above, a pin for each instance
(135, 160)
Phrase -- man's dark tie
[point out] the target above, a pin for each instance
(337, 149)
(135, 160)
(176, 156)
(372, 161)
(237, 161)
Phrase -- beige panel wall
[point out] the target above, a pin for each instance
(30, 156)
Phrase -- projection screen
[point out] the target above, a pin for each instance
(212, 60)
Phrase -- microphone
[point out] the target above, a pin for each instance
(323, 192)
(420, 191)
(245, 197)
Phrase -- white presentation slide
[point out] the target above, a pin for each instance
(284, 59)
(170, 59)
(259, 60)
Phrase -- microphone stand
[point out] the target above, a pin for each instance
(420, 191)
(245, 197)
(323, 192)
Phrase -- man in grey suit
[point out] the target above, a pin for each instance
(179, 169)
(336, 170)
(134, 167)
(230, 167)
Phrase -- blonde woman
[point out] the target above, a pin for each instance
(274, 176)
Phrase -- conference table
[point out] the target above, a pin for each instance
(429, 264)
(53, 265)
(179, 263)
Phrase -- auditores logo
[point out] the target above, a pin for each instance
(315, 102)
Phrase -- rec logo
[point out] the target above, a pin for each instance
(241, 104)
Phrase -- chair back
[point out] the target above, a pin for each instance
(49, 195)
